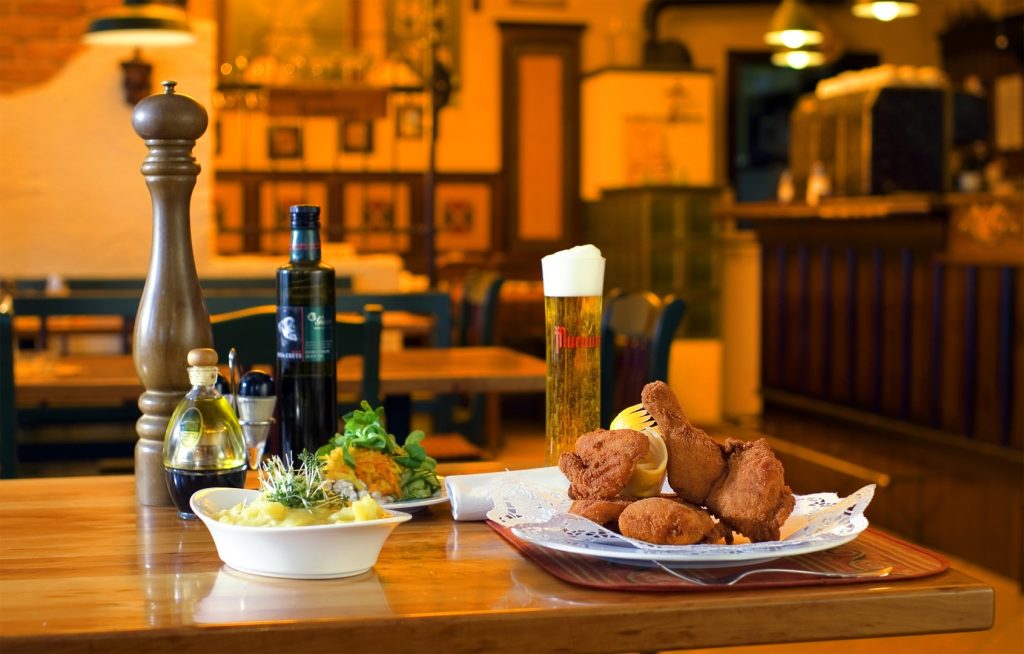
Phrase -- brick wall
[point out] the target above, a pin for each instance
(37, 37)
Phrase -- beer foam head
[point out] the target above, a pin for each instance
(576, 272)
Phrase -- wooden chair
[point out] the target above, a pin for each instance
(478, 309)
(362, 336)
(253, 333)
(44, 307)
(636, 339)
(8, 419)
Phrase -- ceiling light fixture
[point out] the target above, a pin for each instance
(885, 10)
(798, 59)
(793, 26)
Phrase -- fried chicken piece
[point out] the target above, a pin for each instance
(695, 463)
(695, 460)
(603, 512)
(752, 497)
(603, 463)
(668, 522)
(662, 404)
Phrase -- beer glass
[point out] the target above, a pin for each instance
(573, 284)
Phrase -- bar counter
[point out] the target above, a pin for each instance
(82, 568)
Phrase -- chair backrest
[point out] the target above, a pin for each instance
(478, 307)
(361, 335)
(8, 437)
(252, 332)
(636, 340)
(103, 284)
(433, 303)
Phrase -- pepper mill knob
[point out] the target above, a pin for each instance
(202, 356)
(169, 115)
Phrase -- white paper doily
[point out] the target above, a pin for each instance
(818, 522)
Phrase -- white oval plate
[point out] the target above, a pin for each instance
(411, 506)
(818, 522)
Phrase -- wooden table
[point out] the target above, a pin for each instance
(82, 568)
(78, 380)
(41, 379)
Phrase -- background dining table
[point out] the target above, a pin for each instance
(85, 569)
(45, 379)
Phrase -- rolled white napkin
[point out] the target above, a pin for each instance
(472, 496)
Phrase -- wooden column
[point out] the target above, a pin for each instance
(172, 317)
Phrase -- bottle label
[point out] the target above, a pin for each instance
(305, 334)
(190, 428)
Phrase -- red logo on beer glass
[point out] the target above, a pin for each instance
(564, 340)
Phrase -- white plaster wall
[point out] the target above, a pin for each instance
(72, 199)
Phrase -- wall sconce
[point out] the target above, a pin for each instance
(885, 10)
(140, 23)
(793, 26)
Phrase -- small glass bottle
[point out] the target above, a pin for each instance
(203, 445)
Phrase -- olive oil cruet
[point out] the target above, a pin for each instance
(203, 445)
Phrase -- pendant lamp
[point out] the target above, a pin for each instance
(138, 23)
(793, 26)
(885, 10)
(798, 59)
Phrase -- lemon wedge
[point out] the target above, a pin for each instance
(649, 475)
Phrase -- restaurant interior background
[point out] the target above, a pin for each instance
(556, 132)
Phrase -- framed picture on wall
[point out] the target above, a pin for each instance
(229, 218)
(276, 199)
(355, 135)
(409, 121)
(377, 216)
(284, 142)
(463, 216)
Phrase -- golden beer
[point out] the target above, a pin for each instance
(573, 326)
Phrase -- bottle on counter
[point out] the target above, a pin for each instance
(203, 445)
(818, 184)
(306, 360)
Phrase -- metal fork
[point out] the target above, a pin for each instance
(729, 580)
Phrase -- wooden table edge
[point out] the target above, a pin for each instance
(959, 608)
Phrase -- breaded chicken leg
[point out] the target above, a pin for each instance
(695, 460)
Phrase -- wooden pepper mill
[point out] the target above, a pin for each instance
(172, 317)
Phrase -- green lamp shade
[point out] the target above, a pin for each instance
(140, 23)
(793, 26)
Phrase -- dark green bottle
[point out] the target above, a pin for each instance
(306, 360)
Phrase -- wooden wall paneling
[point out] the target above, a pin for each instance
(794, 329)
(865, 332)
(986, 425)
(922, 363)
(951, 383)
(1005, 356)
(843, 282)
(771, 315)
(894, 327)
(1016, 437)
(817, 338)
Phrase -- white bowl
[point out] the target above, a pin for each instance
(311, 552)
